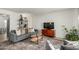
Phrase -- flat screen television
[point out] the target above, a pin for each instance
(49, 25)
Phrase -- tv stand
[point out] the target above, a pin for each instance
(48, 32)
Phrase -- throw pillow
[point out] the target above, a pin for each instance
(13, 31)
(18, 32)
(23, 31)
(31, 30)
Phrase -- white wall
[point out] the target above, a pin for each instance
(76, 18)
(14, 18)
(2, 24)
(60, 18)
(29, 18)
(68, 17)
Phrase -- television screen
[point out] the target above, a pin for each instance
(49, 25)
(46, 25)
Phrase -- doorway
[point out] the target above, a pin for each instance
(4, 27)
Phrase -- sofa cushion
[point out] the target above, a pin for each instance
(13, 31)
(18, 32)
(31, 30)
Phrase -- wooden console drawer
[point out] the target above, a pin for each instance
(48, 32)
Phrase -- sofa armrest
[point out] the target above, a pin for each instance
(12, 36)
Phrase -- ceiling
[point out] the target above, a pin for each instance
(35, 11)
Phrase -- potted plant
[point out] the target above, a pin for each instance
(71, 35)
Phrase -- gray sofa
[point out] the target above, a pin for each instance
(13, 37)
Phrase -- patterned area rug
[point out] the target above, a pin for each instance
(23, 45)
(28, 45)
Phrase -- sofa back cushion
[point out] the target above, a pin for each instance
(18, 32)
(13, 31)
